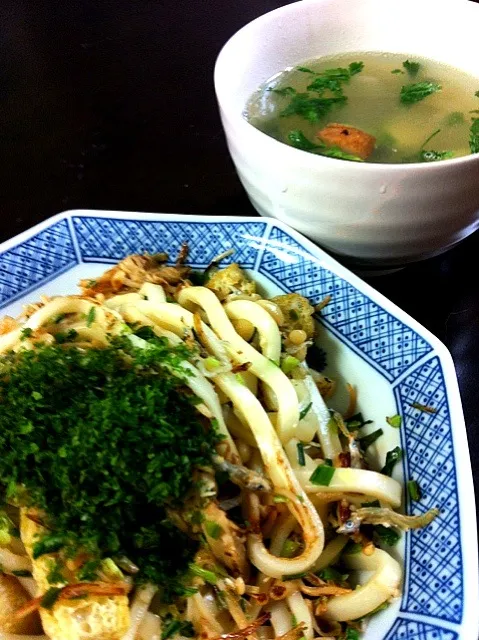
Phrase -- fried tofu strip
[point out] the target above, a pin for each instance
(94, 617)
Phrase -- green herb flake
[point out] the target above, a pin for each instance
(58, 318)
(69, 336)
(370, 439)
(413, 93)
(285, 91)
(55, 575)
(411, 67)
(26, 333)
(213, 529)
(301, 457)
(311, 109)
(50, 543)
(392, 458)
(304, 69)
(387, 535)
(26, 427)
(90, 318)
(69, 468)
(50, 597)
(474, 136)
(477, 93)
(300, 141)
(88, 572)
(352, 634)
(279, 499)
(336, 152)
(333, 79)
(173, 627)
(394, 421)
(413, 489)
(355, 67)
(397, 71)
(304, 412)
(322, 475)
(434, 156)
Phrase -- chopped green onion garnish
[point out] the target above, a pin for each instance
(213, 529)
(394, 421)
(22, 573)
(356, 422)
(207, 576)
(301, 458)
(90, 319)
(387, 535)
(331, 574)
(109, 567)
(50, 597)
(368, 440)
(352, 547)
(289, 548)
(289, 363)
(322, 475)
(392, 457)
(278, 498)
(304, 412)
(414, 490)
(211, 364)
(48, 544)
(373, 503)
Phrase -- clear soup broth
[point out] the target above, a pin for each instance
(386, 108)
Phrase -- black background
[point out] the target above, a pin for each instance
(111, 106)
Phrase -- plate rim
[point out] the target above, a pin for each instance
(464, 477)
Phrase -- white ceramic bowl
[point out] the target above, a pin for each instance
(374, 213)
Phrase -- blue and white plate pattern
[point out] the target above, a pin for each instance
(393, 361)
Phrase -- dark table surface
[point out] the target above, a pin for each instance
(111, 106)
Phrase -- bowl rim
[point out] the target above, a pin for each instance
(316, 160)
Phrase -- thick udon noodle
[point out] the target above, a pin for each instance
(270, 450)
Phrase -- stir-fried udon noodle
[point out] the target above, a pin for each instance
(280, 512)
